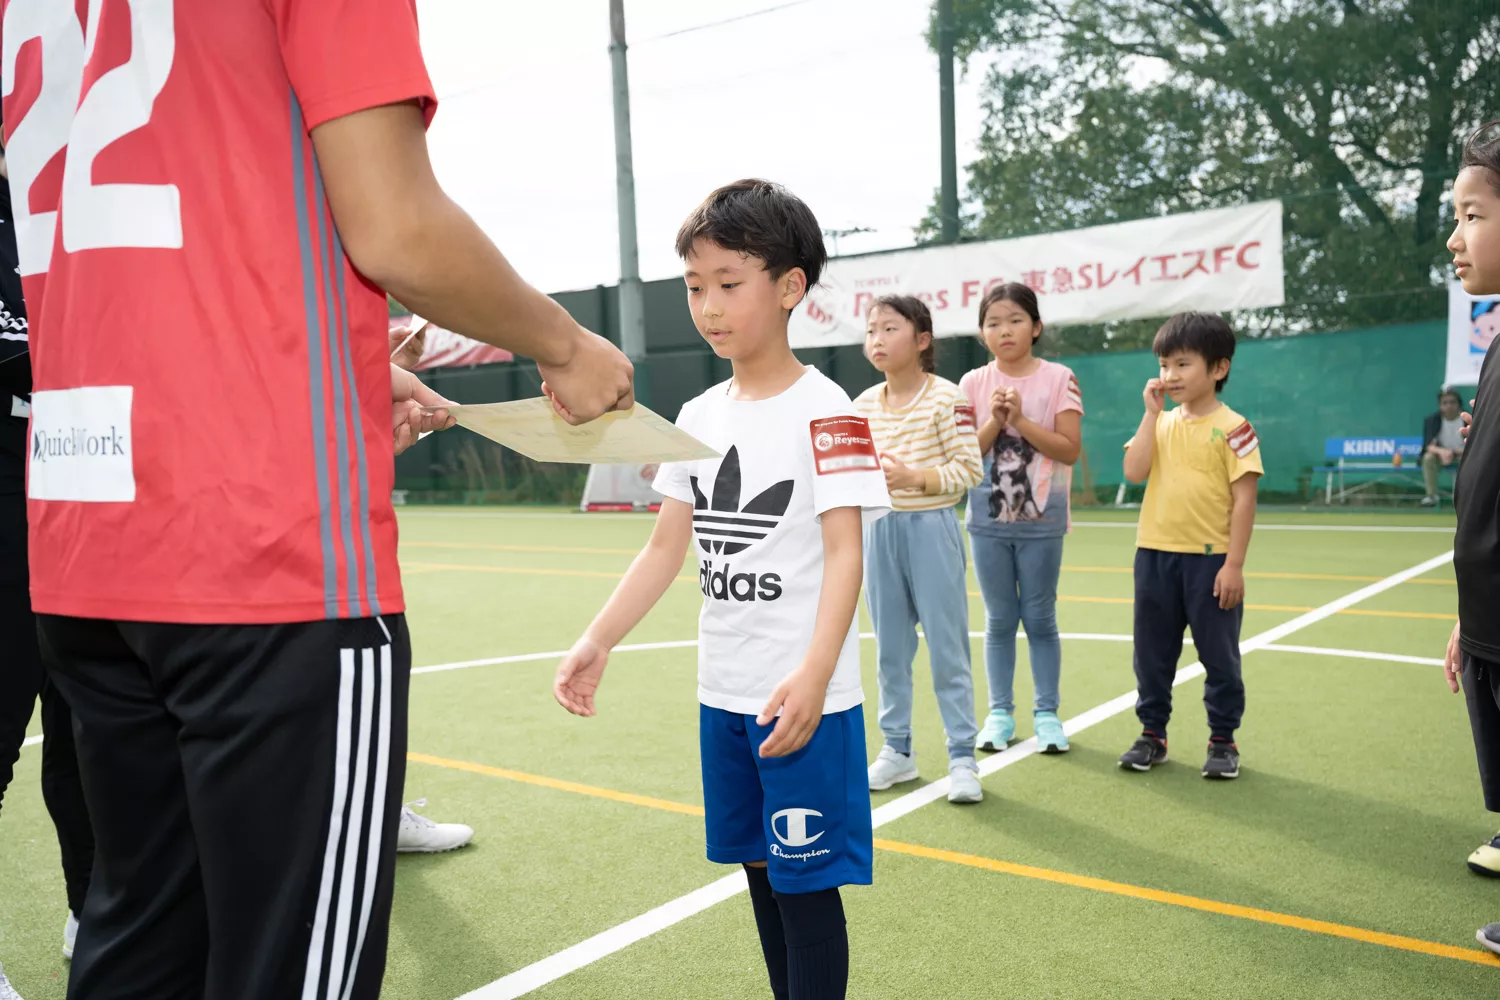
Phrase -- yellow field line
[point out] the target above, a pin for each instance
(1195, 903)
(1325, 927)
(1296, 608)
(1253, 575)
(558, 785)
(572, 550)
(426, 567)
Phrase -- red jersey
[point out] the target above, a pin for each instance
(211, 430)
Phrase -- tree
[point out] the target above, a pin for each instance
(1352, 112)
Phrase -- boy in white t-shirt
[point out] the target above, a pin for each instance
(777, 523)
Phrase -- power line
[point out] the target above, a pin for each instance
(727, 20)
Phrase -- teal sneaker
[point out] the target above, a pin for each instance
(999, 729)
(1050, 737)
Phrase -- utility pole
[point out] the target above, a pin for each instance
(632, 304)
(949, 204)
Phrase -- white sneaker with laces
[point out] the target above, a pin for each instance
(420, 835)
(891, 768)
(963, 781)
(70, 936)
(7, 992)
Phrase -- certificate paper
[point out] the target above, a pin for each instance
(532, 427)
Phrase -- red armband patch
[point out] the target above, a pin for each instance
(843, 444)
(1242, 440)
(963, 416)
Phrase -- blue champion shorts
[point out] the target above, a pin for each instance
(807, 815)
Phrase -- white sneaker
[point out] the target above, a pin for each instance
(70, 936)
(7, 992)
(891, 768)
(420, 835)
(963, 781)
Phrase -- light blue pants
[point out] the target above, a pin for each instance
(915, 572)
(1018, 578)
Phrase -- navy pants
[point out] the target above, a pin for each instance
(1175, 591)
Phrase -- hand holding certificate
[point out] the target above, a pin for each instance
(533, 428)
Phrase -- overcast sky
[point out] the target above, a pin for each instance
(837, 99)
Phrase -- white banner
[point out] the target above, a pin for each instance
(1472, 324)
(1227, 258)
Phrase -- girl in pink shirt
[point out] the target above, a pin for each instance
(1030, 432)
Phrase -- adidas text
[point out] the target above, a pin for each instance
(722, 585)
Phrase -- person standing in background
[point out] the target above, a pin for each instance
(1472, 661)
(915, 564)
(1030, 413)
(1442, 442)
(22, 677)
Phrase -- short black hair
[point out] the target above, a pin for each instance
(763, 220)
(1482, 149)
(1204, 334)
(1451, 392)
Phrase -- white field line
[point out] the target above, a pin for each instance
(1356, 654)
(606, 943)
(1352, 654)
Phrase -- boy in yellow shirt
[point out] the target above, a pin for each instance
(1201, 462)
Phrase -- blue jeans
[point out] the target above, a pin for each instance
(1018, 578)
(915, 572)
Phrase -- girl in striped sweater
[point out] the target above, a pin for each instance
(915, 562)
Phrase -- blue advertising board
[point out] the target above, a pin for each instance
(1372, 449)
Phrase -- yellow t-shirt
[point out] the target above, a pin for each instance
(1188, 502)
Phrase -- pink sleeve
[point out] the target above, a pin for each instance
(1068, 395)
(972, 386)
(344, 56)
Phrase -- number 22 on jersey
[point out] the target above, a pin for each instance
(65, 119)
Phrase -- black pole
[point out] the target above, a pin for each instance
(949, 206)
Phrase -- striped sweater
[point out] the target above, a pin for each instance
(936, 433)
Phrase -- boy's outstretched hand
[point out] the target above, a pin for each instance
(800, 698)
(578, 676)
(1229, 586)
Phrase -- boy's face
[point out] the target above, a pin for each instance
(1475, 242)
(1450, 407)
(1187, 377)
(736, 305)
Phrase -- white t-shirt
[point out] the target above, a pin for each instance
(1450, 434)
(758, 534)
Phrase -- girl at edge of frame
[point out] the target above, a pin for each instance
(1030, 432)
(915, 562)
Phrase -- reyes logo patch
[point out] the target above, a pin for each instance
(81, 445)
(843, 444)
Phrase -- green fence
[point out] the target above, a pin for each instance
(1296, 390)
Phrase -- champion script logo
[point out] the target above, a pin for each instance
(725, 528)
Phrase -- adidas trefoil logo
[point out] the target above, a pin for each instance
(725, 528)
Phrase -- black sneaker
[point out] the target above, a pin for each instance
(1489, 936)
(1223, 761)
(1145, 753)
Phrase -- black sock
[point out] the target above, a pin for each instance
(768, 921)
(817, 944)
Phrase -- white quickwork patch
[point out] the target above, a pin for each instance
(81, 445)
